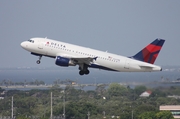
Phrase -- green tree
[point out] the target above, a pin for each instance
(164, 115)
(140, 89)
(147, 115)
(116, 89)
(22, 117)
(145, 108)
(162, 100)
(80, 109)
(158, 93)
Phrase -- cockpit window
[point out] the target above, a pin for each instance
(31, 41)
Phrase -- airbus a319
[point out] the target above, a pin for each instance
(66, 54)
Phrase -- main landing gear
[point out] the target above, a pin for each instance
(83, 69)
(39, 60)
(81, 72)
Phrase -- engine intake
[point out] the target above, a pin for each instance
(65, 62)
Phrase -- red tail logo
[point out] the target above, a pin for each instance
(150, 52)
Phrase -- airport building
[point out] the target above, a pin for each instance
(175, 110)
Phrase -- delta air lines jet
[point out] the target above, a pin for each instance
(66, 54)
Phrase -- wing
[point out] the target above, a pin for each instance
(79, 59)
(84, 60)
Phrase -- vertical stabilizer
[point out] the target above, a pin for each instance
(150, 52)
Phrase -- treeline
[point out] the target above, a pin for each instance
(116, 101)
(11, 83)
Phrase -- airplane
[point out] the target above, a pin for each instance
(66, 54)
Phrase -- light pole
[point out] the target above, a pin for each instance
(64, 106)
(51, 105)
(131, 112)
(88, 115)
(12, 108)
(104, 113)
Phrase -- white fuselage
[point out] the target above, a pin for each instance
(104, 60)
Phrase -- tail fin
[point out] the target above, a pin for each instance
(150, 52)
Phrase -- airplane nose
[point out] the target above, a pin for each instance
(23, 44)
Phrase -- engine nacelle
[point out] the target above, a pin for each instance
(65, 62)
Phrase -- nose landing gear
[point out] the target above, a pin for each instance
(39, 61)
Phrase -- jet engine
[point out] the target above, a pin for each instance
(61, 61)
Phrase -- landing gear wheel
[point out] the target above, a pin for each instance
(83, 69)
(81, 73)
(86, 72)
(38, 61)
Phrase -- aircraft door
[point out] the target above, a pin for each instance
(40, 45)
(127, 63)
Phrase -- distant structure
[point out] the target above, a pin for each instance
(174, 96)
(1, 98)
(2, 95)
(175, 110)
(146, 93)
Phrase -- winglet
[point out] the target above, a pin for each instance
(150, 52)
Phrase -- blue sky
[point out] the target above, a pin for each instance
(122, 27)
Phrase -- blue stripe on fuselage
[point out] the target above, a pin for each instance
(101, 67)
